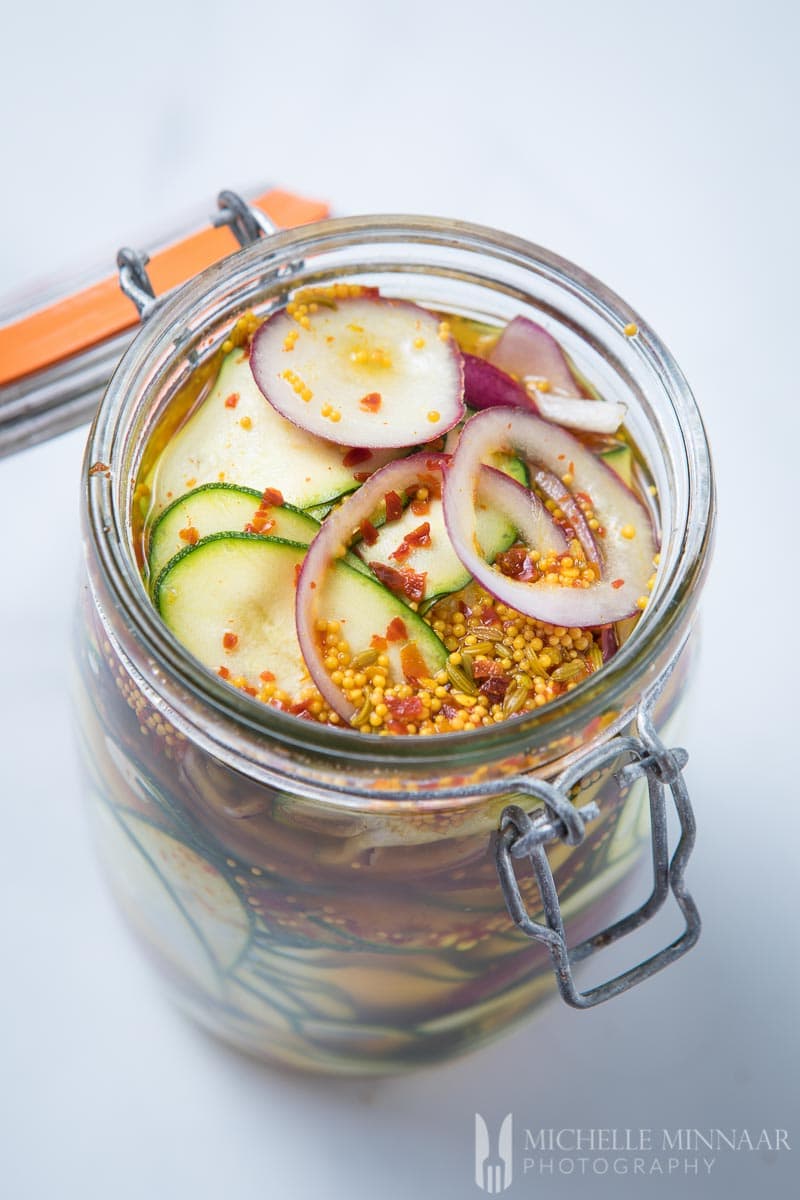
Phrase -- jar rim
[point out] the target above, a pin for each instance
(108, 522)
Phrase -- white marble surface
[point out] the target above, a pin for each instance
(656, 145)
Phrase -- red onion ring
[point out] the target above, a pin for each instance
(627, 562)
(337, 531)
(524, 348)
(486, 386)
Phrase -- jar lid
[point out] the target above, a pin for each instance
(57, 357)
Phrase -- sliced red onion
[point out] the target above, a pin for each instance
(627, 561)
(524, 509)
(608, 642)
(591, 416)
(368, 372)
(486, 386)
(524, 348)
(560, 494)
(531, 354)
(334, 536)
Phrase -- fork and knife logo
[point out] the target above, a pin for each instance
(493, 1164)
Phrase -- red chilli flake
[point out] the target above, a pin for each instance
(380, 643)
(224, 673)
(412, 663)
(297, 569)
(260, 523)
(368, 532)
(189, 535)
(371, 402)
(617, 583)
(410, 709)
(396, 632)
(415, 538)
(405, 582)
(491, 678)
(396, 727)
(394, 506)
(361, 476)
(358, 454)
(272, 496)
(232, 400)
(230, 641)
(516, 563)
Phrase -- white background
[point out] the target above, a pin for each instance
(657, 146)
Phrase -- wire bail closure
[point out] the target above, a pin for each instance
(525, 835)
(246, 222)
(134, 281)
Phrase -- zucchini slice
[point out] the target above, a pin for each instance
(220, 508)
(443, 569)
(620, 459)
(229, 600)
(236, 436)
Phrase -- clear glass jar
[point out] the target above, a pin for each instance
(317, 897)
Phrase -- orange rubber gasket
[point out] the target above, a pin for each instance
(100, 311)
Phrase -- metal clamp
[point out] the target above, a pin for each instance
(246, 222)
(134, 281)
(524, 835)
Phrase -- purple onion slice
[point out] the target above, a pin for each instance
(626, 544)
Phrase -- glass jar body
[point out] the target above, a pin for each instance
(311, 900)
(337, 941)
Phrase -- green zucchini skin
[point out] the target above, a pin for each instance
(241, 586)
(444, 571)
(219, 508)
(620, 459)
(225, 508)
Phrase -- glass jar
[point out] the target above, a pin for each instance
(332, 901)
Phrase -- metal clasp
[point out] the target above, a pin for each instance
(524, 835)
(246, 222)
(134, 281)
